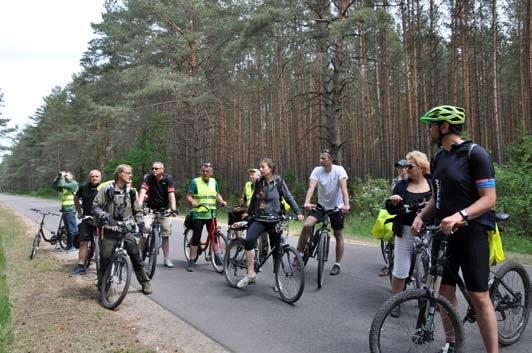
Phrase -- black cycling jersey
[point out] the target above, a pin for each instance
(457, 175)
(87, 192)
(158, 191)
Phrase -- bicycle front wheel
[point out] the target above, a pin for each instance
(62, 237)
(510, 293)
(186, 244)
(418, 328)
(290, 274)
(235, 267)
(35, 245)
(217, 249)
(153, 251)
(321, 256)
(115, 282)
(262, 247)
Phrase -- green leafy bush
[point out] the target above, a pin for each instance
(368, 195)
(513, 186)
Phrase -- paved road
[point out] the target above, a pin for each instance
(254, 319)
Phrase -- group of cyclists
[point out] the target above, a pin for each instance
(457, 185)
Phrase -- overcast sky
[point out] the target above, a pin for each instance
(41, 43)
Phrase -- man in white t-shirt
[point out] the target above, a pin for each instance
(331, 181)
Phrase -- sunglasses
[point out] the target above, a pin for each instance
(155, 168)
(410, 166)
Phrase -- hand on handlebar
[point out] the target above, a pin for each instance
(449, 224)
(416, 225)
(396, 199)
(308, 206)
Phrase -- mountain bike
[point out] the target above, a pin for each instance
(214, 246)
(152, 244)
(288, 265)
(317, 245)
(117, 275)
(56, 239)
(420, 329)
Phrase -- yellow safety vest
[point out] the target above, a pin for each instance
(206, 195)
(67, 198)
(248, 191)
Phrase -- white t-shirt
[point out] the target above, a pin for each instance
(329, 189)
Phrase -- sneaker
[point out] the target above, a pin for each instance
(246, 280)
(335, 270)
(78, 270)
(168, 263)
(71, 250)
(146, 288)
(448, 348)
(190, 266)
(275, 288)
(218, 260)
(384, 272)
(396, 311)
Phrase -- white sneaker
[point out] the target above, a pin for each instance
(168, 263)
(246, 280)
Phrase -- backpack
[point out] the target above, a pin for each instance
(285, 206)
(110, 193)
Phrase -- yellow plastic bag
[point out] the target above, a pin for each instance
(495, 243)
(381, 229)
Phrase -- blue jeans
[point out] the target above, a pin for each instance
(71, 227)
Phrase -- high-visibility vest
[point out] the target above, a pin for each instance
(206, 195)
(67, 198)
(248, 191)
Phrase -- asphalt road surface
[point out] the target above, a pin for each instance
(335, 318)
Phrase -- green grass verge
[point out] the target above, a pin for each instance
(7, 228)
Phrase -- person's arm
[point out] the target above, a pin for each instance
(142, 195)
(78, 206)
(312, 184)
(55, 184)
(171, 198)
(290, 199)
(98, 204)
(345, 195)
(192, 189)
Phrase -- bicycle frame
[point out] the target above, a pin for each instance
(280, 242)
(311, 246)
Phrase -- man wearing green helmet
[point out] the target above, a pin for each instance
(463, 190)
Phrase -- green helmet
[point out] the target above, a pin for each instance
(452, 115)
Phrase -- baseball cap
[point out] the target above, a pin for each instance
(253, 170)
(403, 163)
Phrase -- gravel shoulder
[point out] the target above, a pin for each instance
(54, 313)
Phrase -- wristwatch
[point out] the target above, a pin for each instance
(464, 214)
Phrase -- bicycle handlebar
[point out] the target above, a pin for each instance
(44, 213)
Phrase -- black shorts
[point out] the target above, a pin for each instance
(468, 250)
(86, 230)
(337, 218)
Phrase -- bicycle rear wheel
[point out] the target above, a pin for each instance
(290, 274)
(35, 245)
(510, 294)
(416, 329)
(217, 249)
(235, 267)
(186, 244)
(321, 255)
(115, 281)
